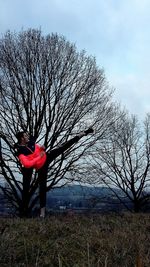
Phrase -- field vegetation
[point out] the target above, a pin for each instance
(108, 240)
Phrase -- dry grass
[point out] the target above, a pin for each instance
(76, 241)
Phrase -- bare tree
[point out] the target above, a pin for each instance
(52, 91)
(124, 161)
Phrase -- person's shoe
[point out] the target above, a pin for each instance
(88, 131)
(42, 216)
(42, 212)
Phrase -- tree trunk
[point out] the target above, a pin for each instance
(137, 206)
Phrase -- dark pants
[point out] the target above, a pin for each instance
(27, 175)
(42, 173)
(42, 177)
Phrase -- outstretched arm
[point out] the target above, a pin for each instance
(54, 153)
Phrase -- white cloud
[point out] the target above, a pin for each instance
(117, 33)
(133, 92)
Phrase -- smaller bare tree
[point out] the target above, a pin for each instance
(124, 161)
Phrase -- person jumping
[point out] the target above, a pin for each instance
(33, 156)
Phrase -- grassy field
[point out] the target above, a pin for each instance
(76, 241)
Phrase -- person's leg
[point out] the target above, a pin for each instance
(27, 174)
(42, 173)
(54, 153)
(42, 176)
(51, 156)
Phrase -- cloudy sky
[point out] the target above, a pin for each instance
(116, 32)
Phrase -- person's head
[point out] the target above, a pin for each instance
(22, 137)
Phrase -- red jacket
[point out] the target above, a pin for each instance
(33, 160)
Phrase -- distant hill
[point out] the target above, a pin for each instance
(77, 196)
(82, 191)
